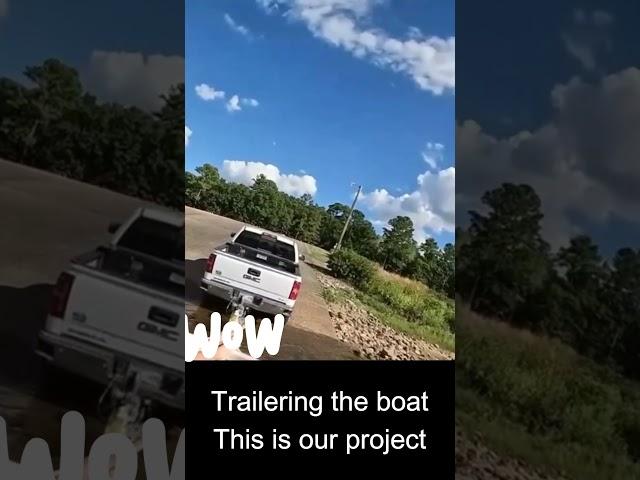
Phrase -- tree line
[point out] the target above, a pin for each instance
(506, 269)
(51, 122)
(263, 205)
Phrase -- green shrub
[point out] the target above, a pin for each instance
(420, 308)
(348, 265)
(414, 301)
(563, 402)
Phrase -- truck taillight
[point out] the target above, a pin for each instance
(60, 295)
(210, 262)
(295, 290)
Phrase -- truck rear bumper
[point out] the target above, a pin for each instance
(99, 364)
(253, 301)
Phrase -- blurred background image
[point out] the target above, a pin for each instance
(548, 235)
(91, 190)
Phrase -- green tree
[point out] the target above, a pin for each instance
(360, 236)
(267, 208)
(586, 320)
(397, 247)
(434, 267)
(54, 125)
(504, 259)
(624, 294)
(449, 267)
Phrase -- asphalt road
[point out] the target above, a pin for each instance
(46, 221)
(309, 334)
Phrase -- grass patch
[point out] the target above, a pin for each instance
(386, 314)
(335, 295)
(536, 399)
(442, 337)
(317, 254)
(405, 305)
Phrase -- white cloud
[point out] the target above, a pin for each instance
(132, 78)
(236, 27)
(4, 8)
(243, 172)
(598, 18)
(251, 102)
(208, 93)
(269, 6)
(415, 33)
(588, 37)
(580, 51)
(432, 154)
(431, 206)
(187, 135)
(233, 105)
(583, 163)
(601, 18)
(428, 60)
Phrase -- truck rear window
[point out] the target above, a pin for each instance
(158, 239)
(268, 244)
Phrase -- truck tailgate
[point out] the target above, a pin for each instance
(125, 317)
(257, 278)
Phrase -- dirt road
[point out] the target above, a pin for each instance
(309, 334)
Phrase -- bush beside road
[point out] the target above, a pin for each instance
(535, 399)
(405, 305)
(375, 333)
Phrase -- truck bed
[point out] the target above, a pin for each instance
(139, 269)
(128, 303)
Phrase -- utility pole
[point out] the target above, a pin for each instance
(346, 224)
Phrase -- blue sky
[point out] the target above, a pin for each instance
(351, 111)
(119, 52)
(529, 56)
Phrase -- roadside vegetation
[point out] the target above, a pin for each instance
(536, 399)
(263, 205)
(49, 121)
(405, 305)
(553, 377)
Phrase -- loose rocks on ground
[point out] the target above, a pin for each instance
(475, 461)
(369, 337)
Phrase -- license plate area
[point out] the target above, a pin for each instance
(120, 366)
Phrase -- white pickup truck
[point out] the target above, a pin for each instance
(117, 313)
(257, 270)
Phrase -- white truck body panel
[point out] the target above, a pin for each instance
(115, 323)
(124, 308)
(263, 275)
(271, 283)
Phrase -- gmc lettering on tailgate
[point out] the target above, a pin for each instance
(165, 333)
(246, 276)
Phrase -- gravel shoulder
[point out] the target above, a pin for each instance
(474, 461)
(369, 338)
